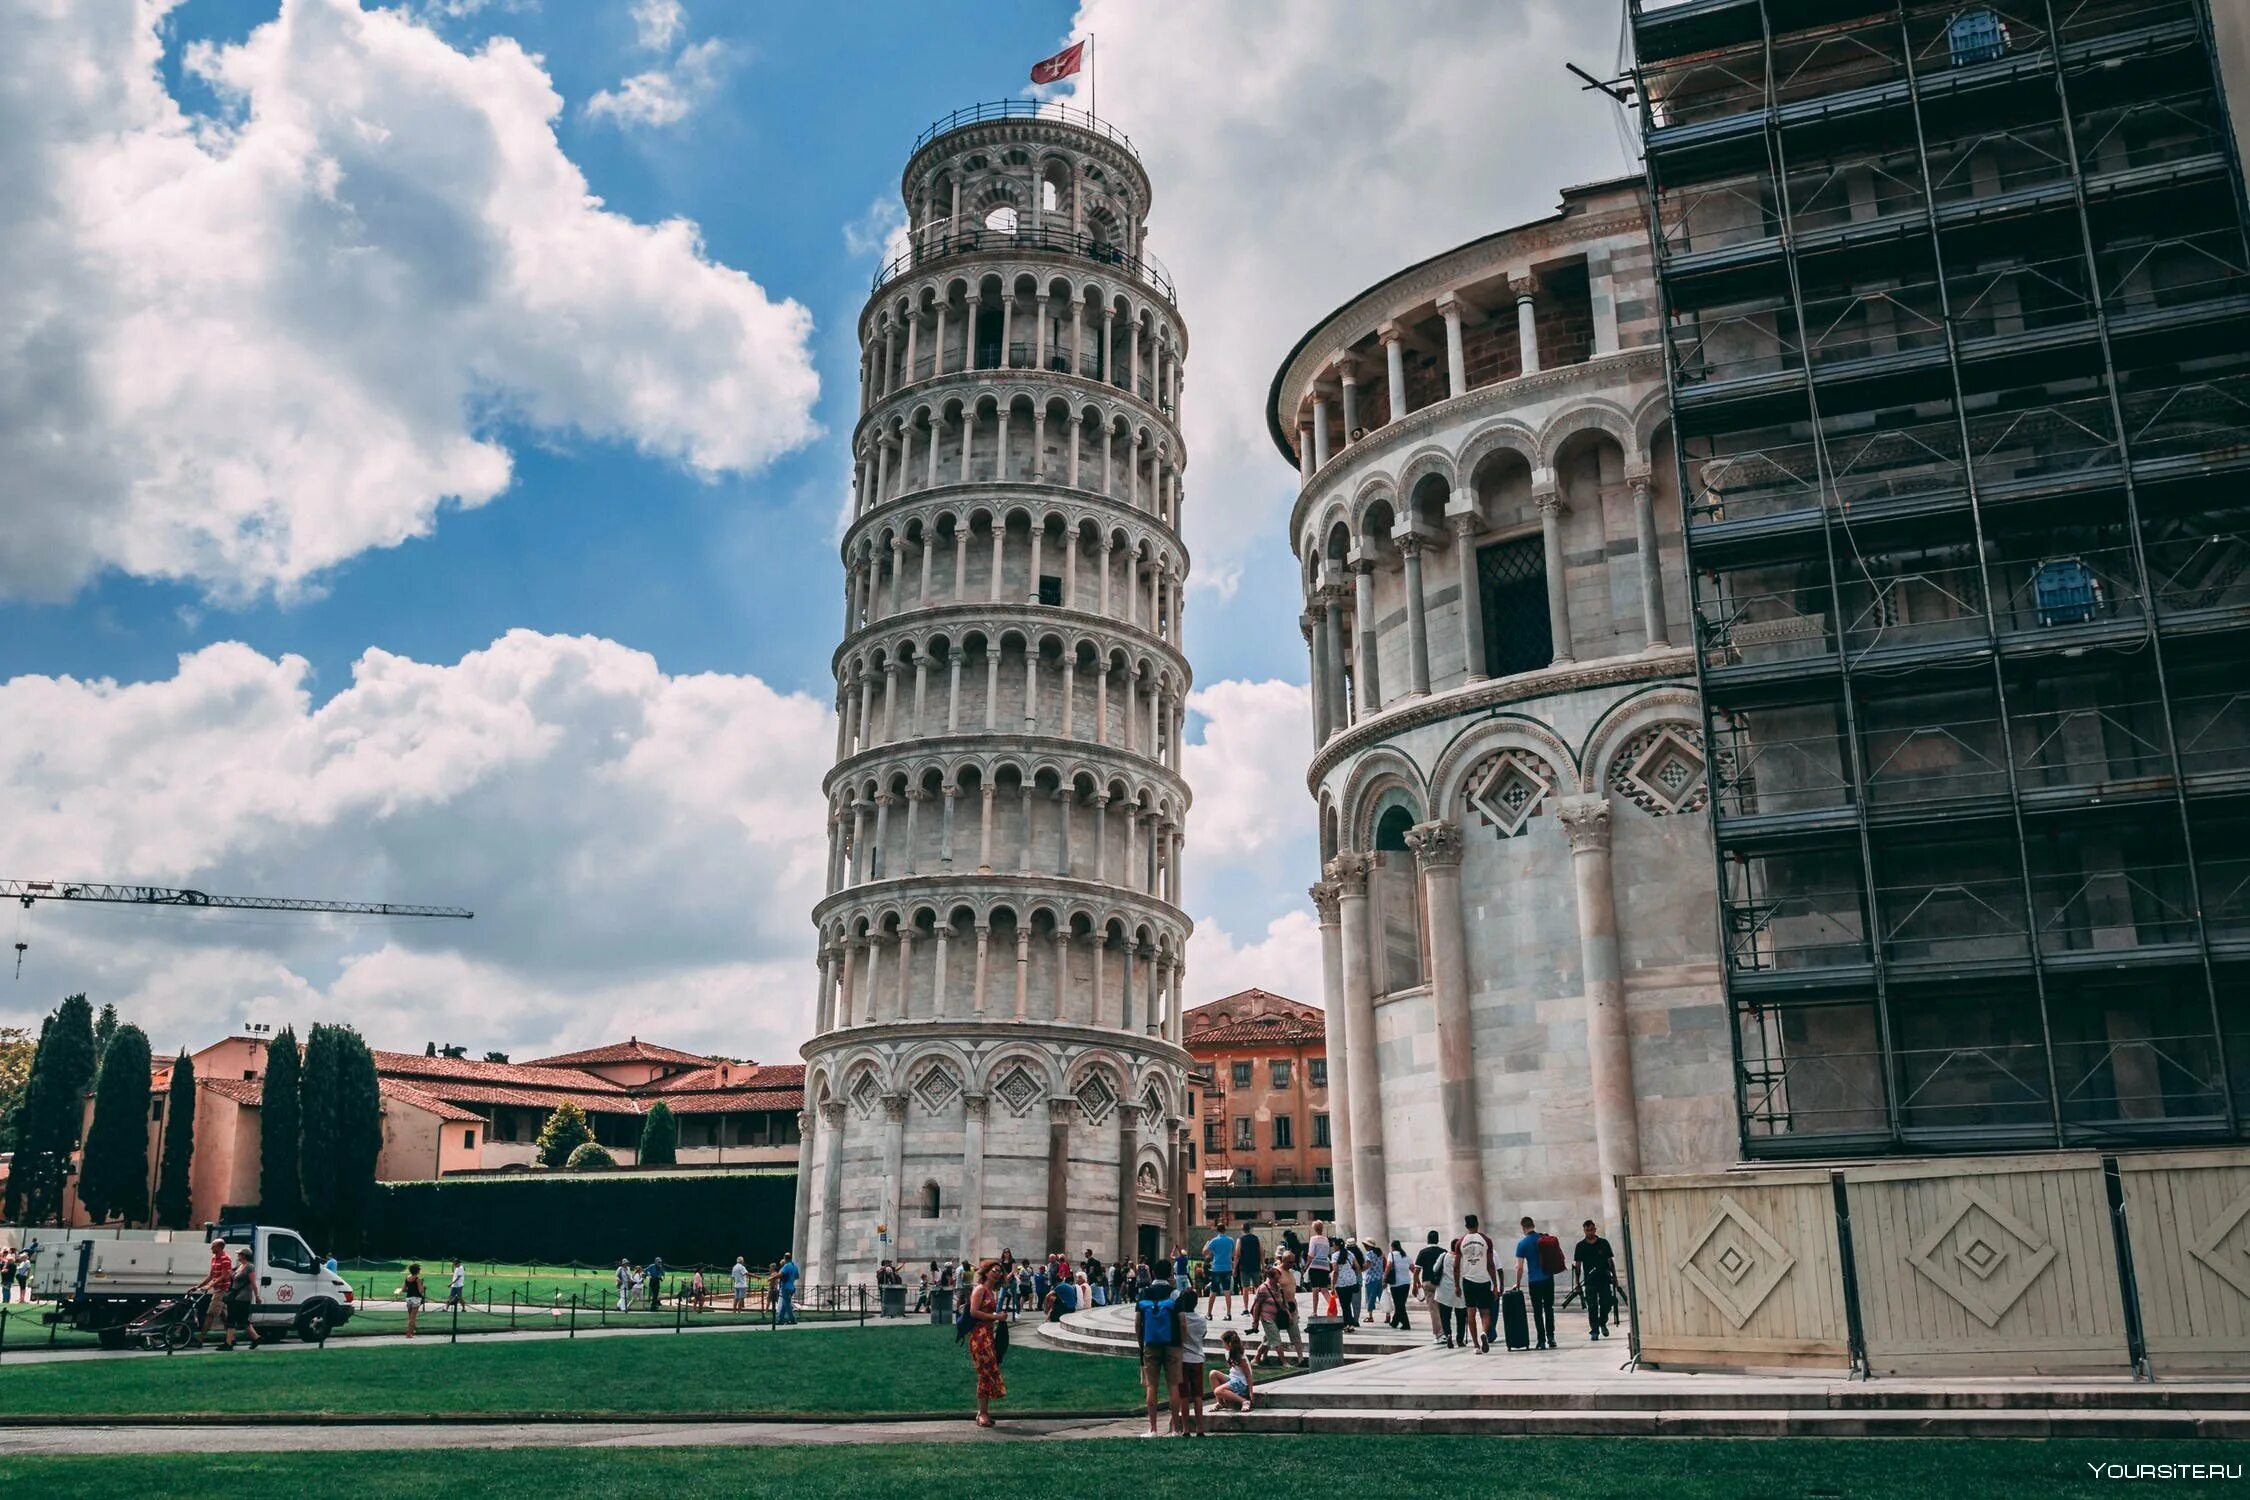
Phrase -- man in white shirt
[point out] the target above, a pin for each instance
(1473, 1261)
(740, 1276)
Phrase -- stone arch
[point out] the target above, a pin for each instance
(1494, 437)
(1380, 766)
(1377, 490)
(1589, 416)
(1427, 461)
(1500, 732)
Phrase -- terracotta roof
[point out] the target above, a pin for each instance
(732, 1076)
(729, 1101)
(414, 1065)
(522, 1098)
(632, 1049)
(1258, 1029)
(249, 1091)
(404, 1093)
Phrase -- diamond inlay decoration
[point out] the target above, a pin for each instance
(1662, 771)
(1152, 1107)
(1735, 1263)
(936, 1088)
(1982, 1256)
(2224, 1245)
(1508, 789)
(1096, 1097)
(866, 1094)
(1017, 1090)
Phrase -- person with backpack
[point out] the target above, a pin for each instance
(1593, 1271)
(1348, 1263)
(1156, 1329)
(1538, 1258)
(1398, 1277)
(1473, 1261)
(1429, 1274)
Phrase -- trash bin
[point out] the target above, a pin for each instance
(1324, 1341)
(894, 1301)
(941, 1305)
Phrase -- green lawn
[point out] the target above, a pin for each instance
(1394, 1468)
(900, 1368)
(496, 1282)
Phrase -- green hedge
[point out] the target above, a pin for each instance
(686, 1217)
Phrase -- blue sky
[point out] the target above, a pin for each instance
(288, 277)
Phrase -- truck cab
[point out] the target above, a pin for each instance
(296, 1290)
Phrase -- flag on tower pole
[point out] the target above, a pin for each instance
(1062, 65)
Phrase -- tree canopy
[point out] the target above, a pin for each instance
(113, 1181)
(47, 1121)
(281, 1132)
(173, 1187)
(660, 1137)
(565, 1131)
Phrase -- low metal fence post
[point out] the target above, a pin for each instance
(455, 1309)
(3, 1328)
(574, 1315)
(511, 1312)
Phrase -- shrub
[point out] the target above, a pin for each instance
(565, 1131)
(660, 1137)
(588, 1157)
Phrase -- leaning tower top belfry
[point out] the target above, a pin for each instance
(996, 1061)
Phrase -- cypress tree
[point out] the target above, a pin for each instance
(281, 1132)
(660, 1137)
(19, 1184)
(105, 1032)
(565, 1131)
(47, 1122)
(172, 1189)
(113, 1183)
(343, 1135)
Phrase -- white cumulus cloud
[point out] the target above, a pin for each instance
(239, 350)
(642, 851)
(665, 95)
(1252, 846)
(658, 23)
(1285, 960)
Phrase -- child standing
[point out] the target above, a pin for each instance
(1187, 1392)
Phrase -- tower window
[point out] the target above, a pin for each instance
(1513, 578)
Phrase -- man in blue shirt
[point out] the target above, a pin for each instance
(1220, 1248)
(1538, 1282)
(785, 1288)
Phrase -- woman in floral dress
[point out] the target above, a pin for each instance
(985, 1320)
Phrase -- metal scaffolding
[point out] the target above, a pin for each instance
(1957, 314)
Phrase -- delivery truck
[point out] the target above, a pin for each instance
(100, 1280)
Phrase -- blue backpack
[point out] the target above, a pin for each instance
(1160, 1322)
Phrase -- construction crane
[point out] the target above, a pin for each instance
(31, 891)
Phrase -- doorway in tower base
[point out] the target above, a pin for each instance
(1152, 1243)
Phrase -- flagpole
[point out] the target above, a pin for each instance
(1093, 77)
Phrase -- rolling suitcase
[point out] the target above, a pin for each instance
(1514, 1323)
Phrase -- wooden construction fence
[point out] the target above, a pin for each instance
(2053, 1263)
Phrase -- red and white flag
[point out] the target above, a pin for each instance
(1060, 66)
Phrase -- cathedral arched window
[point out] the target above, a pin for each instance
(1394, 899)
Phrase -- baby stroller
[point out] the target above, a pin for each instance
(170, 1325)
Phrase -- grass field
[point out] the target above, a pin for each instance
(496, 1282)
(1394, 1468)
(909, 1368)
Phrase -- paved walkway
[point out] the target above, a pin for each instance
(24, 1442)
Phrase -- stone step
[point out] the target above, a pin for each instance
(1748, 1422)
(1082, 1340)
(1622, 1396)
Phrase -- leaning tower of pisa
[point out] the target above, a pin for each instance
(996, 1060)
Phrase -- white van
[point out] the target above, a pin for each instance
(101, 1279)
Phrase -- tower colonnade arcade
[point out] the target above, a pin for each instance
(996, 1060)
(1516, 913)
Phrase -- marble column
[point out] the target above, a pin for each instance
(1652, 563)
(1319, 430)
(1370, 696)
(1609, 1052)
(1316, 646)
(1128, 1209)
(1472, 595)
(1326, 900)
(800, 1232)
(831, 1193)
(1176, 1206)
(1437, 852)
(891, 1192)
(1332, 636)
(1347, 377)
(972, 1187)
(1059, 1113)
(1527, 325)
(1550, 504)
(1456, 357)
(1394, 367)
(1417, 614)
(1348, 872)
